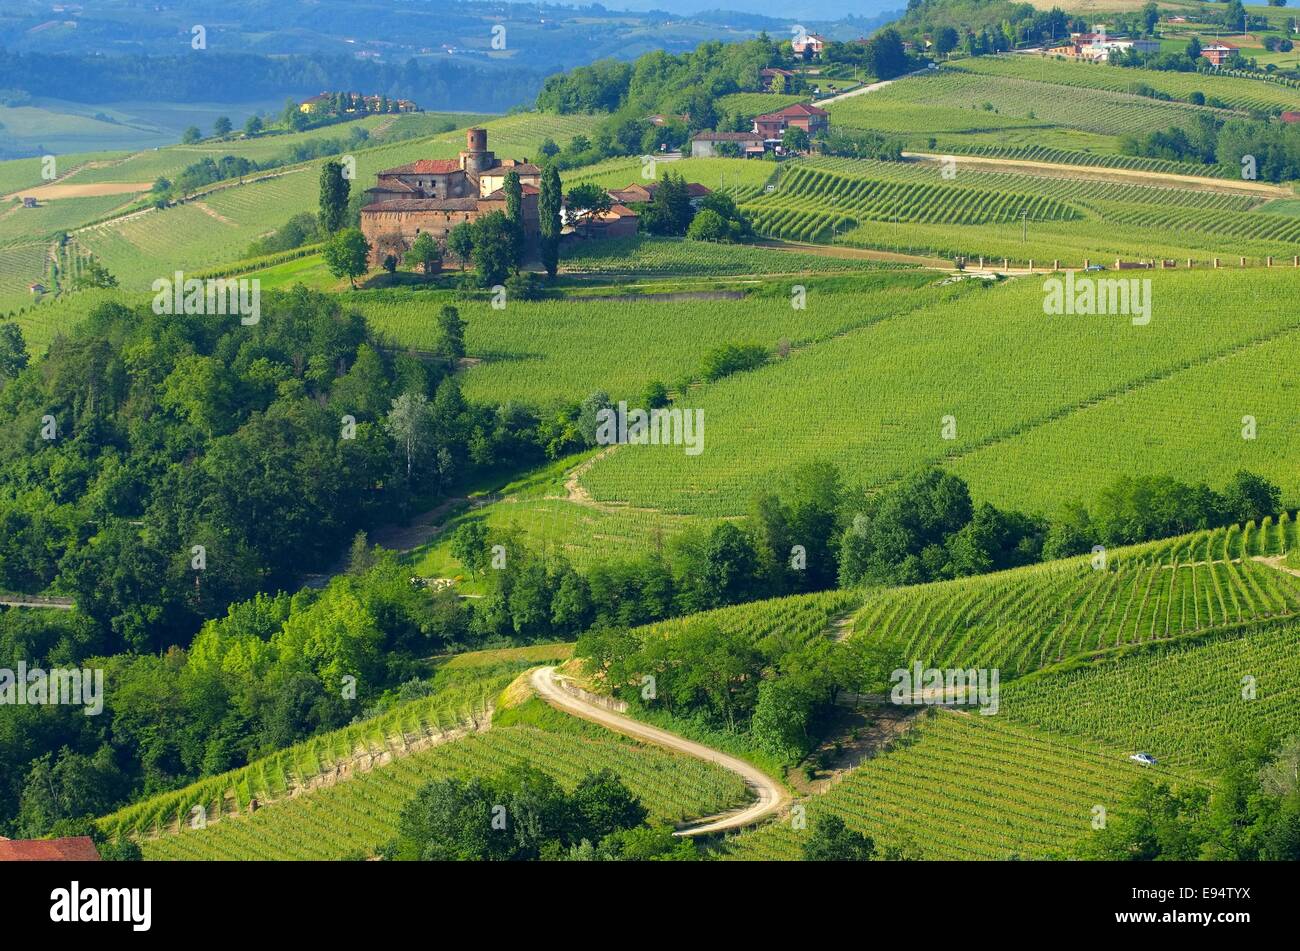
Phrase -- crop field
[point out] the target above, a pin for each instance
(864, 204)
(735, 176)
(1011, 371)
(463, 702)
(750, 104)
(1023, 100)
(1180, 703)
(808, 194)
(41, 323)
(963, 787)
(547, 351)
(1022, 620)
(1060, 156)
(21, 265)
(356, 816)
(788, 622)
(1248, 94)
(666, 257)
(61, 214)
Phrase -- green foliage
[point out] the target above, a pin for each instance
(346, 254)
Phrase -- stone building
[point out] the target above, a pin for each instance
(436, 195)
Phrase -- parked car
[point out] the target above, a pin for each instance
(1146, 759)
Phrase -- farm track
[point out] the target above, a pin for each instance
(771, 797)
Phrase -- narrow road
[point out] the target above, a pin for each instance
(870, 87)
(35, 601)
(769, 796)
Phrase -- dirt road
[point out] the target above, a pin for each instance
(770, 796)
(870, 87)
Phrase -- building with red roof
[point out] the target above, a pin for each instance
(78, 848)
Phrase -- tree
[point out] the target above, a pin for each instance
(604, 806)
(945, 40)
(469, 546)
(587, 202)
(390, 263)
(222, 126)
(1150, 17)
(782, 718)
(253, 125)
(515, 214)
(669, 211)
(1250, 498)
(494, 248)
(94, 274)
(346, 254)
(334, 188)
(833, 841)
(424, 253)
(409, 423)
(13, 351)
(708, 226)
(460, 242)
(451, 334)
(191, 135)
(794, 139)
(550, 223)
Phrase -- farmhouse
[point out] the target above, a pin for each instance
(435, 195)
(799, 116)
(768, 77)
(638, 194)
(710, 144)
(808, 45)
(355, 102)
(1218, 52)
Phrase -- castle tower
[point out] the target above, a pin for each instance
(476, 158)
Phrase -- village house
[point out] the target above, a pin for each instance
(435, 195)
(1218, 52)
(709, 144)
(808, 45)
(768, 77)
(639, 194)
(1099, 47)
(799, 116)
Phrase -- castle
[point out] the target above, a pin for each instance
(435, 195)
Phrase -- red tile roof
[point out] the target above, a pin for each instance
(425, 167)
(75, 849)
(801, 109)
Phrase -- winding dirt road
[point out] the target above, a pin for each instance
(770, 797)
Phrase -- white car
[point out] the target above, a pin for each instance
(1146, 759)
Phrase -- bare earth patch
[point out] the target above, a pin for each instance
(87, 190)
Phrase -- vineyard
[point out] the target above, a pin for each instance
(962, 787)
(668, 257)
(738, 177)
(854, 202)
(788, 622)
(1104, 112)
(1020, 385)
(1058, 156)
(356, 816)
(1247, 94)
(1022, 620)
(463, 702)
(1181, 703)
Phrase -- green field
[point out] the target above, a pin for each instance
(1013, 375)
(1022, 620)
(1181, 703)
(971, 209)
(1248, 94)
(963, 787)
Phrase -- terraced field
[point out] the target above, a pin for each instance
(963, 787)
(21, 265)
(737, 177)
(353, 818)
